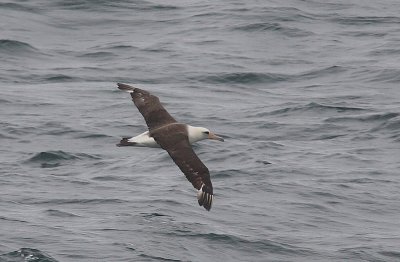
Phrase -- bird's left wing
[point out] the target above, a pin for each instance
(195, 171)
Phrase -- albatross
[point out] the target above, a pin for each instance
(174, 137)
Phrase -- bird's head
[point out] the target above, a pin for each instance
(201, 133)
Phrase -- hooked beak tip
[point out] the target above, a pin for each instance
(215, 137)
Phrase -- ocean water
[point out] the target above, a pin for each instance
(306, 94)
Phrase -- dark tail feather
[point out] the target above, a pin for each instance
(125, 142)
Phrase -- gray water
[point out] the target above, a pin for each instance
(306, 94)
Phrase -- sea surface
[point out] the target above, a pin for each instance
(305, 93)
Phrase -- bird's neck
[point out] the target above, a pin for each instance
(194, 134)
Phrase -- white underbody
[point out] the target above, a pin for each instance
(195, 134)
(144, 140)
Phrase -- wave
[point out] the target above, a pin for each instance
(59, 78)
(313, 106)
(84, 201)
(58, 213)
(49, 159)
(245, 78)
(364, 118)
(267, 26)
(244, 244)
(389, 75)
(17, 7)
(327, 71)
(366, 20)
(45, 78)
(99, 54)
(258, 77)
(52, 156)
(158, 258)
(27, 254)
(15, 47)
(392, 254)
(107, 5)
(390, 125)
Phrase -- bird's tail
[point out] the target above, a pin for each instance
(125, 142)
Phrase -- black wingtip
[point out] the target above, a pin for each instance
(125, 87)
(205, 197)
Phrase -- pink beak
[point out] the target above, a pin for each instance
(215, 137)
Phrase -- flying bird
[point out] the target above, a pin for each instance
(174, 137)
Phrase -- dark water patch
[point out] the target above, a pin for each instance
(50, 159)
(206, 42)
(366, 20)
(292, 14)
(225, 173)
(311, 207)
(364, 34)
(258, 246)
(361, 253)
(99, 55)
(256, 77)
(160, 7)
(267, 26)
(391, 123)
(157, 258)
(330, 136)
(6, 136)
(18, 7)
(110, 178)
(244, 78)
(52, 156)
(330, 108)
(320, 72)
(61, 78)
(44, 78)
(90, 5)
(82, 201)
(15, 47)
(311, 107)
(93, 135)
(385, 52)
(26, 255)
(388, 75)
(369, 118)
(359, 180)
(57, 128)
(118, 47)
(166, 202)
(326, 195)
(264, 162)
(152, 215)
(391, 254)
(58, 213)
(109, 6)
(5, 101)
(12, 220)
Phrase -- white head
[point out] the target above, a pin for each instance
(201, 133)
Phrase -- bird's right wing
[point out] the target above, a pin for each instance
(149, 106)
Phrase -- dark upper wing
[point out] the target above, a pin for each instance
(189, 163)
(149, 106)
